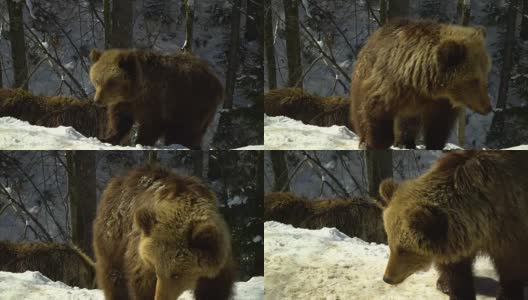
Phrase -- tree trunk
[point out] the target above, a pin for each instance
(18, 42)
(83, 200)
(152, 157)
(524, 22)
(280, 170)
(257, 210)
(107, 15)
(507, 57)
(233, 55)
(197, 158)
(251, 23)
(1, 74)
(189, 22)
(383, 11)
(463, 17)
(507, 63)
(379, 167)
(269, 45)
(293, 43)
(398, 8)
(122, 24)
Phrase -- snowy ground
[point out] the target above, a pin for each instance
(282, 133)
(20, 135)
(327, 264)
(35, 286)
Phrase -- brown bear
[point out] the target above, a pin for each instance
(300, 105)
(355, 217)
(65, 263)
(468, 203)
(412, 75)
(157, 234)
(83, 116)
(170, 96)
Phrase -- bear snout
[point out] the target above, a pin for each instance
(389, 280)
(484, 109)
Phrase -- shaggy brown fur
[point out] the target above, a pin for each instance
(55, 111)
(310, 109)
(157, 234)
(173, 96)
(412, 75)
(354, 217)
(468, 203)
(63, 263)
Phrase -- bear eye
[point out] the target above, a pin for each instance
(174, 275)
(475, 82)
(111, 84)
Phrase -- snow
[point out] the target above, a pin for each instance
(35, 286)
(327, 264)
(283, 133)
(237, 200)
(20, 135)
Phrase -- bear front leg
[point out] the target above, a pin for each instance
(457, 280)
(405, 131)
(512, 275)
(120, 122)
(148, 133)
(219, 287)
(111, 281)
(439, 119)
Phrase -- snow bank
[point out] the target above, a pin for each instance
(327, 264)
(35, 286)
(283, 133)
(20, 135)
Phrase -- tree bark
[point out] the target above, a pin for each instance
(189, 22)
(524, 22)
(18, 42)
(269, 45)
(122, 24)
(379, 167)
(253, 7)
(463, 17)
(383, 11)
(1, 74)
(280, 170)
(107, 16)
(507, 56)
(507, 62)
(293, 43)
(83, 200)
(398, 8)
(257, 210)
(233, 55)
(197, 158)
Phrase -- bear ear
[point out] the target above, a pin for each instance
(451, 54)
(145, 219)
(386, 190)
(127, 63)
(95, 54)
(207, 238)
(430, 224)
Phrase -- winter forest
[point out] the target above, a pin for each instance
(314, 45)
(45, 47)
(263, 149)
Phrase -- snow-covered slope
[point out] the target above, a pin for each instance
(327, 264)
(35, 286)
(20, 135)
(283, 133)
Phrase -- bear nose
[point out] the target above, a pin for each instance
(388, 280)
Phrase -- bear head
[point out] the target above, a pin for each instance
(181, 246)
(115, 76)
(464, 65)
(416, 229)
